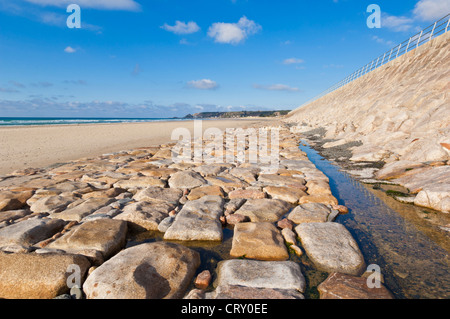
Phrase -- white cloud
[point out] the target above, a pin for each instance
(382, 41)
(69, 49)
(205, 84)
(182, 27)
(293, 61)
(431, 10)
(128, 5)
(233, 33)
(276, 87)
(399, 24)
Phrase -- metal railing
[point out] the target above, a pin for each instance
(436, 29)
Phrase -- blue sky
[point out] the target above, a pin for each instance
(164, 58)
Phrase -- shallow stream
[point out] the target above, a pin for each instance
(413, 255)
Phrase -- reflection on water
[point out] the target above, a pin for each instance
(413, 256)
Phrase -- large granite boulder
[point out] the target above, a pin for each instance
(147, 271)
(264, 210)
(331, 248)
(145, 215)
(38, 276)
(87, 207)
(262, 241)
(159, 195)
(186, 180)
(105, 235)
(29, 232)
(343, 286)
(260, 274)
(309, 213)
(198, 220)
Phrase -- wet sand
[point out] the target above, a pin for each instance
(40, 146)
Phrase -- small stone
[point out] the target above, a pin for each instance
(165, 224)
(76, 292)
(341, 208)
(298, 251)
(289, 236)
(234, 219)
(285, 223)
(203, 280)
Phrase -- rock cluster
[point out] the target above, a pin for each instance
(399, 115)
(74, 221)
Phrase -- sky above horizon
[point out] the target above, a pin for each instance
(166, 58)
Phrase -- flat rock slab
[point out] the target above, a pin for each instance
(140, 182)
(48, 204)
(35, 276)
(331, 248)
(326, 199)
(288, 194)
(262, 210)
(105, 235)
(209, 170)
(202, 191)
(260, 274)
(82, 210)
(342, 286)
(145, 215)
(147, 271)
(262, 241)
(226, 181)
(12, 215)
(159, 195)
(198, 220)
(13, 200)
(246, 194)
(186, 180)
(277, 180)
(421, 178)
(29, 232)
(436, 196)
(309, 213)
(397, 169)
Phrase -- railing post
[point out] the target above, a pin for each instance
(431, 34)
(419, 39)
(389, 59)
(372, 65)
(383, 59)
(399, 47)
(377, 62)
(408, 45)
(446, 28)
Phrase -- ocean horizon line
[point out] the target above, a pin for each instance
(29, 121)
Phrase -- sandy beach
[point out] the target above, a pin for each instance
(39, 146)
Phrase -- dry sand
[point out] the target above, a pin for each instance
(40, 146)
